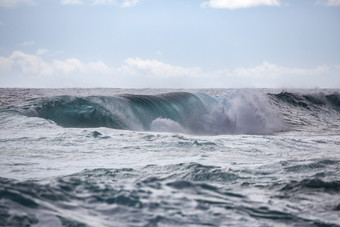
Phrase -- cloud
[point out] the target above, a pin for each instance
(268, 70)
(5, 64)
(129, 3)
(29, 70)
(154, 68)
(104, 2)
(42, 51)
(21, 62)
(160, 74)
(1, 23)
(74, 65)
(25, 63)
(332, 3)
(235, 4)
(28, 43)
(121, 3)
(71, 2)
(15, 3)
(271, 75)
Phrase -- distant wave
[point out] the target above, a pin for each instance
(309, 101)
(318, 112)
(237, 111)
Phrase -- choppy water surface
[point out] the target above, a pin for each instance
(106, 157)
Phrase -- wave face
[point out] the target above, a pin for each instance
(133, 112)
(235, 112)
(318, 112)
(309, 101)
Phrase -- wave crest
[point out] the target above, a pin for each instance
(235, 112)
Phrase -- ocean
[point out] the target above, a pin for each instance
(165, 157)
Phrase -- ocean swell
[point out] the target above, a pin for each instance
(235, 112)
(182, 112)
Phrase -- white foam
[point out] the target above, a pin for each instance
(166, 125)
(242, 111)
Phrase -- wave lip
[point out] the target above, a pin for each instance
(68, 111)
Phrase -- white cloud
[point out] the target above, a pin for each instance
(121, 3)
(29, 64)
(235, 4)
(129, 3)
(29, 70)
(71, 2)
(42, 51)
(104, 2)
(268, 70)
(271, 75)
(1, 23)
(28, 43)
(333, 3)
(15, 3)
(154, 68)
(5, 64)
(74, 65)
(159, 74)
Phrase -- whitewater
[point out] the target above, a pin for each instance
(166, 157)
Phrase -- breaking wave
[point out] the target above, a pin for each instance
(235, 112)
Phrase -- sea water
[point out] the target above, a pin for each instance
(153, 157)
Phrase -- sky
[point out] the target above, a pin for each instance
(170, 43)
